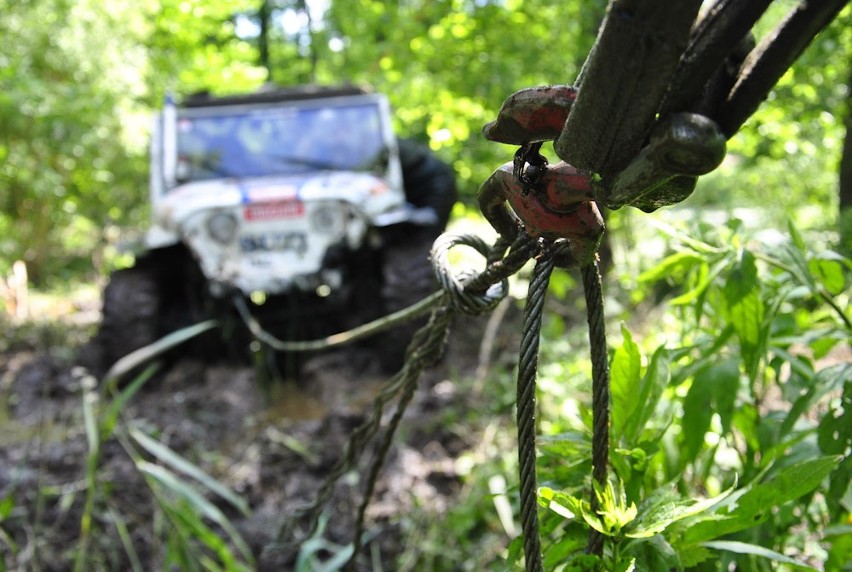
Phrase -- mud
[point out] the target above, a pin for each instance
(272, 444)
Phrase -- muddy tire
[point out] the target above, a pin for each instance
(407, 278)
(131, 309)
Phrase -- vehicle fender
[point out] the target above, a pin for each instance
(159, 237)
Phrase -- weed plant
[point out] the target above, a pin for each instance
(731, 426)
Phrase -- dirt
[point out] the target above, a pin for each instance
(273, 445)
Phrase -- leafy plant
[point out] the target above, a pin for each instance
(7, 504)
(197, 533)
(731, 400)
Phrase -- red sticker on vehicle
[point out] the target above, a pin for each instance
(271, 210)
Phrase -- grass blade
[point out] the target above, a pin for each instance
(136, 358)
(171, 458)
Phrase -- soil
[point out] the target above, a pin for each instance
(273, 445)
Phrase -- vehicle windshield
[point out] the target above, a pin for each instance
(280, 141)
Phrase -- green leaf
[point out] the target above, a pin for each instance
(655, 380)
(744, 309)
(713, 389)
(654, 553)
(840, 553)
(693, 555)
(669, 266)
(7, 503)
(168, 456)
(796, 236)
(755, 505)
(195, 501)
(698, 245)
(516, 550)
(754, 550)
(624, 383)
(193, 531)
(566, 446)
(90, 400)
(116, 406)
(664, 507)
(707, 279)
(149, 352)
(727, 384)
(561, 551)
(824, 382)
(834, 435)
(613, 511)
(564, 505)
(126, 540)
(830, 269)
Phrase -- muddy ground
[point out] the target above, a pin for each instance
(272, 445)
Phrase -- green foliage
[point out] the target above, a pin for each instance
(196, 532)
(447, 66)
(730, 433)
(726, 391)
(731, 400)
(67, 165)
(7, 505)
(79, 80)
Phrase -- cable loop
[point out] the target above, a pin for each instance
(462, 298)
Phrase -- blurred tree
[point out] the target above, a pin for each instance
(199, 45)
(845, 203)
(448, 65)
(794, 140)
(79, 79)
(68, 75)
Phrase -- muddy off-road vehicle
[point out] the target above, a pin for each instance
(300, 201)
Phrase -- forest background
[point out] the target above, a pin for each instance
(80, 80)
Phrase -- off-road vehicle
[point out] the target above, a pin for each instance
(291, 198)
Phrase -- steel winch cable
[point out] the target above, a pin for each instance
(475, 294)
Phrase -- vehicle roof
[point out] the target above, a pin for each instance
(272, 94)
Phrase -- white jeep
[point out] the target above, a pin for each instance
(291, 198)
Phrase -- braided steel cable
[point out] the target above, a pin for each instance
(421, 356)
(523, 248)
(526, 404)
(600, 388)
(475, 294)
(467, 291)
(350, 336)
(359, 439)
(479, 294)
(426, 348)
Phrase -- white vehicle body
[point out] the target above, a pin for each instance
(289, 204)
(262, 210)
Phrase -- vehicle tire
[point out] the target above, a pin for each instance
(407, 278)
(131, 311)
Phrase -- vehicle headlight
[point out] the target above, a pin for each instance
(222, 227)
(327, 219)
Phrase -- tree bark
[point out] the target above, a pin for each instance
(264, 15)
(846, 183)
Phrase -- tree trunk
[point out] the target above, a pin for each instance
(846, 184)
(264, 15)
